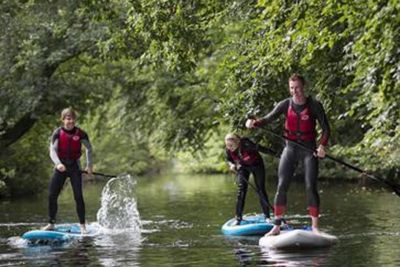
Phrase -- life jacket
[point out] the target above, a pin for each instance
(244, 156)
(69, 145)
(300, 126)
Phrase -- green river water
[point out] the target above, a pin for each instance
(178, 220)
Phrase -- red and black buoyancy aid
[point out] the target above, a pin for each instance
(300, 126)
(69, 144)
(245, 156)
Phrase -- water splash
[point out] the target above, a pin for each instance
(118, 205)
(17, 242)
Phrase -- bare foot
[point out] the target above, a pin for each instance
(83, 229)
(49, 227)
(315, 230)
(276, 230)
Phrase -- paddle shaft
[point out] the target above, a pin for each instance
(258, 192)
(395, 187)
(101, 174)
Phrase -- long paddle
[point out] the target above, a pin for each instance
(395, 187)
(102, 174)
(265, 200)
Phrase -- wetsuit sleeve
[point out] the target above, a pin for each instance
(85, 141)
(54, 147)
(322, 119)
(279, 109)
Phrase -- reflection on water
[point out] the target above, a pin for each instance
(180, 225)
(249, 254)
(316, 257)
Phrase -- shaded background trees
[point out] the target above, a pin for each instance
(150, 78)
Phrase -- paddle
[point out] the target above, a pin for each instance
(395, 187)
(102, 174)
(259, 193)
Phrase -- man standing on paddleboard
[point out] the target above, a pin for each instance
(65, 152)
(301, 114)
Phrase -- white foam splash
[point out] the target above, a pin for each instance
(118, 206)
(17, 242)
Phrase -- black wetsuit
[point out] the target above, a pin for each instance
(250, 161)
(293, 153)
(73, 171)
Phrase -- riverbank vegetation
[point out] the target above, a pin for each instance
(157, 80)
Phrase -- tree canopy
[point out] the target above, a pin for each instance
(153, 77)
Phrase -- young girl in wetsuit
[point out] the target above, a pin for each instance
(65, 152)
(243, 158)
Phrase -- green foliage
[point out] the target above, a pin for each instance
(57, 54)
(209, 160)
(26, 166)
(117, 147)
(349, 64)
(150, 78)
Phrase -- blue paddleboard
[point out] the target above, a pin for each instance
(61, 233)
(250, 225)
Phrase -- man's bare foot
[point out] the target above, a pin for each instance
(49, 227)
(276, 230)
(315, 230)
(83, 229)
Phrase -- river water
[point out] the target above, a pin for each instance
(175, 220)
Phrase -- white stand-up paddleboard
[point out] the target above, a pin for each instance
(298, 239)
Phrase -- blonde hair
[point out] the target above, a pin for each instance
(232, 137)
(68, 112)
